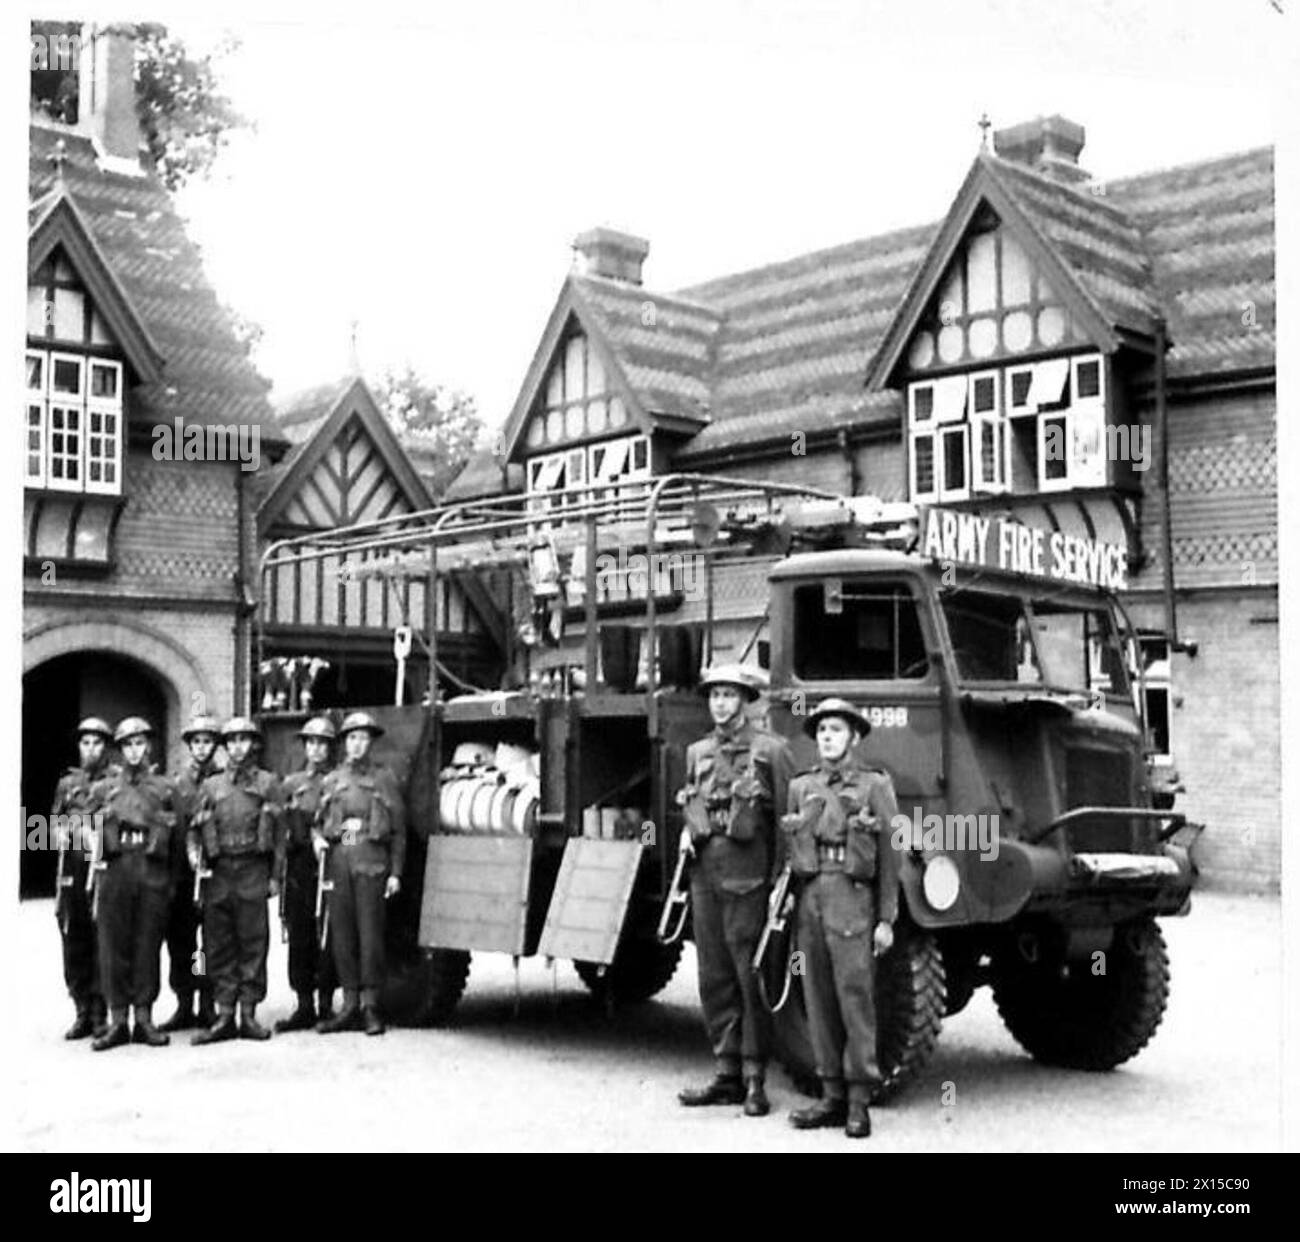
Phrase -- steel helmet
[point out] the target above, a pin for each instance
(201, 724)
(748, 679)
(360, 720)
(318, 726)
(93, 724)
(841, 708)
(241, 725)
(132, 726)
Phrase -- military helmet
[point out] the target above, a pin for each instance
(319, 727)
(841, 708)
(748, 679)
(238, 725)
(360, 720)
(93, 724)
(201, 724)
(132, 726)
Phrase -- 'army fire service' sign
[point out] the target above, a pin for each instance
(996, 543)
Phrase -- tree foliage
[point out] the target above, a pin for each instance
(439, 426)
(185, 118)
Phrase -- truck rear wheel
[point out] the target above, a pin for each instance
(424, 989)
(1065, 1014)
(640, 970)
(910, 1000)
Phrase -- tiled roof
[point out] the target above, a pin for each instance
(207, 376)
(1209, 230)
(482, 477)
(786, 347)
(665, 343)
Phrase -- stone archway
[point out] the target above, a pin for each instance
(185, 688)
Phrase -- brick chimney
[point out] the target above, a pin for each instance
(1049, 144)
(609, 253)
(106, 106)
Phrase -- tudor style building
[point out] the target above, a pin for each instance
(136, 591)
(1095, 358)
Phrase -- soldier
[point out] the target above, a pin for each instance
(184, 976)
(847, 907)
(73, 798)
(309, 969)
(736, 778)
(362, 823)
(237, 832)
(141, 811)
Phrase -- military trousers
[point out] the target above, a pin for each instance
(236, 928)
(134, 893)
(77, 929)
(358, 915)
(837, 918)
(182, 937)
(309, 969)
(728, 910)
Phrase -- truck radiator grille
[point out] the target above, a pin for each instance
(1099, 778)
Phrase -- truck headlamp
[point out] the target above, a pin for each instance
(941, 882)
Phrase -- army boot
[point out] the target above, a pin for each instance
(220, 1031)
(302, 1019)
(831, 1110)
(145, 1032)
(183, 1018)
(83, 1025)
(374, 1023)
(858, 1124)
(347, 1019)
(724, 1089)
(325, 1003)
(207, 1014)
(249, 1026)
(98, 1015)
(756, 1104)
(115, 1034)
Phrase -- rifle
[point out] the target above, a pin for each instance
(323, 889)
(201, 873)
(62, 883)
(672, 921)
(281, 906)
(779, 907)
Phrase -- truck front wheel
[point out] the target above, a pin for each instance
(910, 1001)
(1092, 1014)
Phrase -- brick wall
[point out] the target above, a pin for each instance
(1224, 733)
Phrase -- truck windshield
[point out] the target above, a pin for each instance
(847, 630)
(1036, 641)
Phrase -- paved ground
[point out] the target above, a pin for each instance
(553, 1072)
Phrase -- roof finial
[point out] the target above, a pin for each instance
(354, 356)
(985, 125)
(58, 157)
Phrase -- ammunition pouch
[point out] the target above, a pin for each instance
(696, 814)
(862, 847)
(801, 846)
(749, 809)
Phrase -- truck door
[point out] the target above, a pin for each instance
(870, 640)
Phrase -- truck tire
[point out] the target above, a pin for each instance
(910, 1000)
(640, 970)
(1068, 1016)
(424, 989)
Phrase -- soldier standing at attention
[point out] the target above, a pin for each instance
(736, 779)
(200, 735)
(310, 970)
(73, 798)
(362, 823)
(847, 908)
(237, 830)
(141, 811)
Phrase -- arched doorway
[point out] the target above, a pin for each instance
(56, 696)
